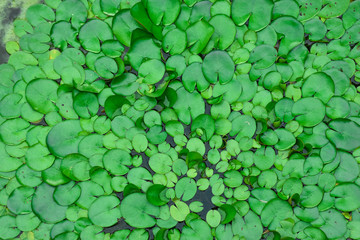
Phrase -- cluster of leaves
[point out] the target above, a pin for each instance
(186, 120)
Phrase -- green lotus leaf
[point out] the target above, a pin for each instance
(351, 15)
(174, 42)
(185, 189)
(140, 14)
(86, 105)
(188, 105)
(10, 106)
(27, 222)
(13, 131)
(123, 25)
(92, 232)
(274, 212)
(35, 43)
(92, 32)
(286, 139)
(198, 35)
(38, 157)
(205, 124)
(134, 207)
(307, 214)
(90, 191)
(9, 228)
(116, 161)
(112, 48)
(340, 80)
(312, 233)
(291, 187)
(213, 218)
(224, 32)
(316, 29)
(156, 195)
(201, 10)
(113, 105)
(193, 76)
(110, 7)
(343, 134)
(263, 56)
(327, 182)
(155, 135)
(125, 84)
(333, 8)
(335, 28)
(163, 12)
(258, 199)
(311, 196)
(62, 34)
(293, 32)
(248, 226)
(351, 35)
(140, 143)
(335, 224)
(21, 59)
(269, 137)
(194, 158)
(39, 13)
(337, 107)
(67, 194)
(22, 27)
(258, 14)
(143, 48)
(76, 167)
(313, 165)
(107, 67)
(53, 175)
(19, 201)
(272, 80)
(72, 10)
(346, 196)
(338, 50)
(176, 64)
(244, 115)
(283, 109)
(308, 9)
(287, 7)
(233, 178)
(28, 177)
(64, 138)
(264, 157)
(44, 206)
(348, 169)
(243, 126)
(104, 211)
(318, 85)
(220, 7)
(197, 229)
(92, 144)
(308, 111)
(160, 163)
(152, 71)
(231, 91)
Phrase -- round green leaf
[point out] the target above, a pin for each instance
(134, 207)
(104, 211)
(218, 66)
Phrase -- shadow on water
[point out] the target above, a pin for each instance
(10, 15)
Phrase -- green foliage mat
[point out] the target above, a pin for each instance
(191, 120)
